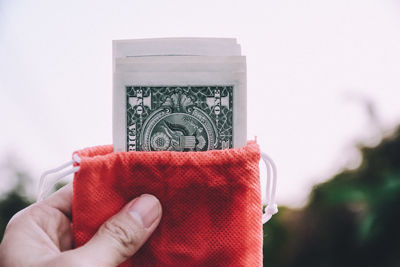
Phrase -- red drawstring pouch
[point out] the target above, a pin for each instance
(212, 210)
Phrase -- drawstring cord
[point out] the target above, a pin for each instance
(270, 192)
(45, 186)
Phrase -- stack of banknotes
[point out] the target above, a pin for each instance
(178, 94)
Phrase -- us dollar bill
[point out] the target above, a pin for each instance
(179, 118)
(178, 103)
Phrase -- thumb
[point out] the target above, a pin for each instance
(123, 234)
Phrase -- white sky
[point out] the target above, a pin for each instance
(309, 65)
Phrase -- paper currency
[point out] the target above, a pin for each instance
(178, 94)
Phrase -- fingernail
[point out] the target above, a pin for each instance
(146, 208)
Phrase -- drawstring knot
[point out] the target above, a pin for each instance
(268, 212)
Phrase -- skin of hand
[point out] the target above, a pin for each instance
(41, 234)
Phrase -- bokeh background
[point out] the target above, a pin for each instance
(323, 100)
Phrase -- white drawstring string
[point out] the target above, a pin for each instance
(270, 193)
(44, 187)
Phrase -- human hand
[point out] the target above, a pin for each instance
(41, 234)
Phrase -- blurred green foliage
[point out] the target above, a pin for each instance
(350, 220)
(14, 200)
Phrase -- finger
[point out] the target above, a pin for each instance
(123, 234)
(61, 200)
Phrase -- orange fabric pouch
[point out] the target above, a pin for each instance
(211, 203)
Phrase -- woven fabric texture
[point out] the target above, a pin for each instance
(211, 203)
